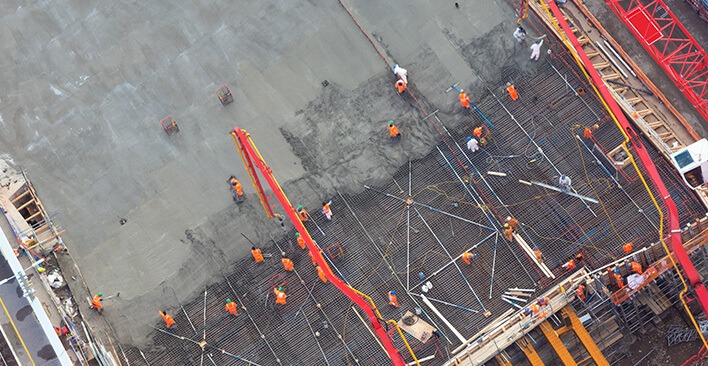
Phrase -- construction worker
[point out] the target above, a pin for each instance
(564, 183)
(300, 240)
(513, 223)
(580, 292)
(302, 214)
(542, 301)
(536, 49)
(619, 279)
(236, 189)
(96, 302)
(312, 257)
(400, 86)
(464, 99)
(467, 257)
(482, 134)
(508, 232)
(627, 247)
(287, 264)
(401, 73)
(520, 34)
(587, 132)
(537, 253)
(257, 254)
(393, 130)
(579, 257)
(392, 299)
(169, 321)
(321, 274)
(327, 210)
(569, 265)
(280, 296)
(636, 267)
(231, 307)
(472, 144)
(532, 310)
(512, 91)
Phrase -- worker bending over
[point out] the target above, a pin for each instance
(520, 34)
(512, 91)
(327, 210)
(280, 296)
(393, 130)
(513, 223)
(257, 254)
(231, 307)
(508, 232)
(467, 257)
(392, 299)
(169, 321)
(401, 73)
(472, 144)
(321, 274)
(300, 240)
(537, 253)
(464, 99)
(302, 214)
(96, 302)
(287, 264)
(627, 247)
(236, 189)
(482, 134)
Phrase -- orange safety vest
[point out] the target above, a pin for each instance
(321, 273)
(393, 131)
(238, 188)
(464, 100)
(509, 234)
(569, 265)
(401, 86)
(467, 258)
(302, 214)
(231, 308)
(257, 256)
(512, 92)
(96, 302)
(618, 278)
(287, 264)
(280, 297)
(301, 241)
(534, 309)
(513, 223)
(627, 247)
(392, 300)
(580, 292)
(539, 255)
(168, 319)
(636, 267)
(326, 210)
(542, 301)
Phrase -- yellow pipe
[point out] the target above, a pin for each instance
(17, 332)
(403, 337)
(682, 294)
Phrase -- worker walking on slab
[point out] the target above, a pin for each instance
(464, 99)
(393, 130)
(393, 299)
(236, 189)
(169, 321)
(287, 264)
(300, 240)
(536, 49)
(257, 254)
(327, 210)
(472, 144)
(231, 307)
(302, 214)
(467, 257)
(512, 91)
(280, 296)
(96, 302)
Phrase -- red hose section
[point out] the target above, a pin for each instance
(674, 235)
(391, 349)
(669, 56)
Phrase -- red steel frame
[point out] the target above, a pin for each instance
(674, 227)
(245, 144)
(676, 51)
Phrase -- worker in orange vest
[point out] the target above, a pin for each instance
(464, 99)
(392, 299)
(321, 274)
(512, 91)
(542, 301)
(482, 134)
(169, 321)
(636, 267)
(627, 247)
(580, 292)
(300, 240)
(96, 302)
(280, 296)
(312, 257)
(327, 210)
(513, 223)
(467, 257)
(287, 264)
(393, 130)
(538, 254)
(532, 310)
(569, 265)
(587, 132)
(508, 232)
(257, 255)
(619, 279)
(401, 86)
(302, 214)
(236, 189)
(231, 307)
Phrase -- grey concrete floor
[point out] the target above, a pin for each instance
(86, 84)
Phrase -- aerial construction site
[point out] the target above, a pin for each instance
(354, 183)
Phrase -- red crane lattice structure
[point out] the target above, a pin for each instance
(674, 228)
(670, 44)
(252, 159)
